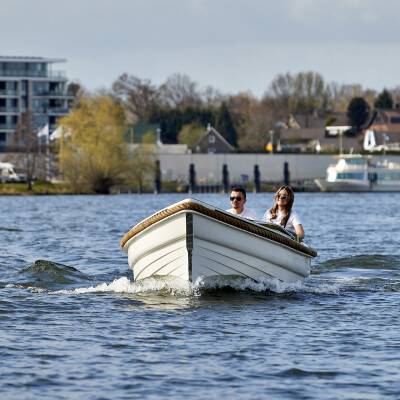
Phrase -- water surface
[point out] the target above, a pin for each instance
(75, 326)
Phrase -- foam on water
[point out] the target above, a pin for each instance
(174, 286)
(179, 287)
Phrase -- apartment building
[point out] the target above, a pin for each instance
(30, 83)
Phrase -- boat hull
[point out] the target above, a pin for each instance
(361, 186)
(190, 245)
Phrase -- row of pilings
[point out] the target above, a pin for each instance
(223, 186)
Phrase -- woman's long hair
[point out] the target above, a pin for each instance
(288, 208)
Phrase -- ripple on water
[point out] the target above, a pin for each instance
(44, 274)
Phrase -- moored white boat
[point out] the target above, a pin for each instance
(191, 239)
(356, 173)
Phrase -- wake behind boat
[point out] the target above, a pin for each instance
(191, 239)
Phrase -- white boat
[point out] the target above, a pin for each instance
(191, 239)
(357, 173)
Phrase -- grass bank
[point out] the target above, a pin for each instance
(39, 188)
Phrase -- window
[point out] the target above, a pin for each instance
(40, 87)
(355, 161)
(3, 136)
(388, 176)
(351, 175)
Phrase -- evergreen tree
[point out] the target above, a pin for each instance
(173, 120)
(384, 100)
(225, 126)
(357, 112)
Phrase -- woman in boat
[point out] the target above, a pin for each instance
(281, 213)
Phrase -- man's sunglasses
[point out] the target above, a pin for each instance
(238, 198)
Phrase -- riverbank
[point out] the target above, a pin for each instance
(38, 188)
(44, 188)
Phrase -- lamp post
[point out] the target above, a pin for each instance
(385, 138)
(271, 138)
(340, 142)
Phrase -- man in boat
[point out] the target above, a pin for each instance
(238, 201)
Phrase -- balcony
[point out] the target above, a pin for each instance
(9, 110)
(52, 93)
(50, 110)
(8, 126)
(58, 110)
(33, 74)
(9, 93)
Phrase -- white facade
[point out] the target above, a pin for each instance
(175, 167)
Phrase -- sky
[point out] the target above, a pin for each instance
(232, 45)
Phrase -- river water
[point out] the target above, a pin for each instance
(75, 326)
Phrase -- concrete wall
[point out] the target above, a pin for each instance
(209, 166)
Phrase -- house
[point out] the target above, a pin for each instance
(301, 121)
(316, 120)
(383, 133)
(381, 141)
(314, 133)
(387, 119)
(213, 142)
(316, 140)
(386, 129)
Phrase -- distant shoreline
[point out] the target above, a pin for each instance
(21, 189)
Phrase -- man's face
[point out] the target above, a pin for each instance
(237, 201)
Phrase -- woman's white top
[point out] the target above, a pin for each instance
(291, 223)
(246, 213)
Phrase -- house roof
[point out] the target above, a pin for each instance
(211, 130)
(382, 138)
(319, 134)
(299, 121)
(388, 128)
(388, 117)
(305, 133)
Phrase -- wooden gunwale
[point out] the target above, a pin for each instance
(271, 232)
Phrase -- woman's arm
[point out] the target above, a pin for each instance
(299, 231)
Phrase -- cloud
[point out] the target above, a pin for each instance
(226, 43)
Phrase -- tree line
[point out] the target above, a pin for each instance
(93, 157)
(179, 106)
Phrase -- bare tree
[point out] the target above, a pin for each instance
(212, 97)
(341, 95)
(139, 96)
(282, 90)
(302, 93)
(255, 128)
(27, 140)
(179, 91)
